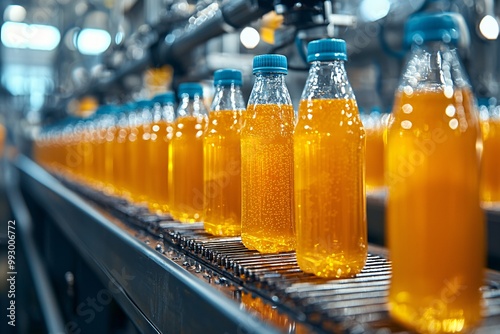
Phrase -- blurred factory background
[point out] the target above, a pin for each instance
(56, 52)
(66, 57)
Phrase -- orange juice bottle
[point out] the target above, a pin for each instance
(222, 156)
(376, 129)
(110, 123)
(162, 129)
(88, 151)
(490, 167)
(77, 155)
(186, 155)
(120, 154)
(329, 157)
(267, 223)
(436, 232)
(99, 162)
(137, 150)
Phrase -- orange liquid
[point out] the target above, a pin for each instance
(490, 171)
(267, 178)
(374, 157)
(88, 157)
(222, 181)
(435, 225)
(99, 158)
(137, 147)
(158, 146)
(186, 170)
(74, 155)
(108, 160)
(330, 212)
(120, 162)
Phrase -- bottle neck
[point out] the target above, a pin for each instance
(163, 112)
(270, 88)
(191, 106)
(433, 66)
(327, 80)
(228, 97)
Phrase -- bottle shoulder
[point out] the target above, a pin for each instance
(329, 115)
(327, 80)
(270, 89)
(224, 122)
(425, 111)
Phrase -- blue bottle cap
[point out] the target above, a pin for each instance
(270, 63)
(129, 106)
(190, 88)
(102, 110)
(326, 49)
(164, 98)
(141, 104)
(431, 27)
(226, 77)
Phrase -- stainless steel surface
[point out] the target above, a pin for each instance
(353, 305)
(52, 315)
(159, 290)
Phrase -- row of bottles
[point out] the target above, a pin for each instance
(251, 170)
(287, 181)
(111, 149)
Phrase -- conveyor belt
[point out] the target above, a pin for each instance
(353, 305)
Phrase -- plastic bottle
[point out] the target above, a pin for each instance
(329, 156)
(436, 232)
(186, 155)
(87, 143)
(222, 156)
(490, 174)
(161, 133)
(137, 150)
(109, 128)
(101, 124)
(375, 124)
(120, 154)
(267, 223)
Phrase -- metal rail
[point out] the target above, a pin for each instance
(50, 309)
(339, 305)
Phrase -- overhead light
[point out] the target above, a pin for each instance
(30, 36)
(249, 37)
(488, 27)
(373, 10)
(93, 41)
(14, 13)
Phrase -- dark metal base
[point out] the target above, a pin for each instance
(180, 279)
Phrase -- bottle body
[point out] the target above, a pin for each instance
(109, 136)
(222, 157)
(435, 224)
(186, 151)
(186, 161)
(267, 168)
(161, 134)
(120, 158)
(222, 176)
(99, 157)
(490, 175)
(87, 150)
(375, 125)
(137, 151)
(329, 143)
